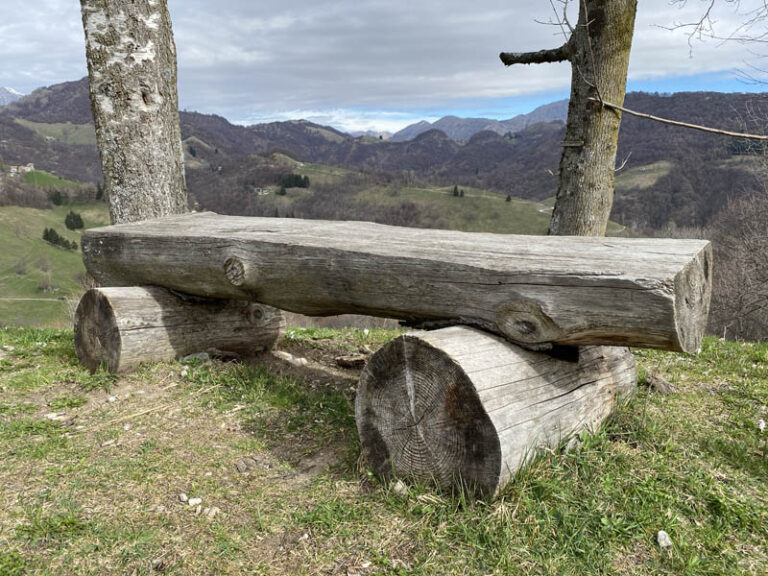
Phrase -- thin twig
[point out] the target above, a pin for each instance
(683, 124)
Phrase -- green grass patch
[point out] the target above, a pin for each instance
(321, 173)
(64, 402)
(36, 278)
(83, 134)
(478, 211)
(45, 529)
(12, 563)
(643, 177)
(45, 179)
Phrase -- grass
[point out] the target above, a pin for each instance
(50, 181)
(643, 177)
(36, 278)
(478, 211)
(96, 491)
(321, 173)
(83, 134)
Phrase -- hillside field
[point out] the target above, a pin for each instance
(39, 280)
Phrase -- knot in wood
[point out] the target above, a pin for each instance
(256, 314)
(234, 269)
(523, 320)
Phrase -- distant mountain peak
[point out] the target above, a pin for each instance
(462, 129)
(8, 95)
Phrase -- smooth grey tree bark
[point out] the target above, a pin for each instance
(132, 69)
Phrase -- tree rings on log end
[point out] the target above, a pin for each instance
(419, 416)
(97, 336)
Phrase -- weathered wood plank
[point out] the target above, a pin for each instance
(118, 328)
(459, 407)
(531, 289)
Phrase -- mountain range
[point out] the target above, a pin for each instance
(461, 129)
(668, 174)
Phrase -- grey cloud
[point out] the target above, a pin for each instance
(246, 59)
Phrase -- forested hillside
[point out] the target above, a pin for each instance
(671, 175)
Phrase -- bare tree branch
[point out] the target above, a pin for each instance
(682, 124)
(560, 54)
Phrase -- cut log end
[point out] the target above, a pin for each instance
(419, 416)
(693, 291)
(97, 337)
(464, 410)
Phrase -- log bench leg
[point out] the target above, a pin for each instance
(118, 328)
(462, 408)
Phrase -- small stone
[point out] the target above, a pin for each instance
(112, 399)
(183, 497)
(56, 416)
(400, 489)
(184, 373)
(208, 474)
(195, 501)
(201, 356)
(659, 384)
(365, 565)
(205, 511)
(9, 348)
(198, 510)
(245, 465)
(161, 508)
(213, 512)
(663, 539)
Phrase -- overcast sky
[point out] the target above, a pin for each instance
(373, 64)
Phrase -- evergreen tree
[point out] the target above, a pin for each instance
(73, 221)
(509, 198)
(455, 190)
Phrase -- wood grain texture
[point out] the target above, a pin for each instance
(465, 409)
(533, 290)
(119, 328)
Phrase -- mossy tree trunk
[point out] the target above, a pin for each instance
(598, 50)
(132, 68)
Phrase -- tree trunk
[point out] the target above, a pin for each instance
(534, 291)
(132, 69)
(118, 328)
(598, 51)
(601, 43)
(465, 409)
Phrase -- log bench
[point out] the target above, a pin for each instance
(532, 290)
(526, 351)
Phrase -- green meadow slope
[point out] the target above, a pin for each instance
(37, 278)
